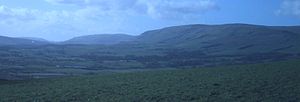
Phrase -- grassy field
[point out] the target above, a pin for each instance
(269, 82)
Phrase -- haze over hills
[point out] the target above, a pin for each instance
(35, 39)
(104, 39)
(213, 39)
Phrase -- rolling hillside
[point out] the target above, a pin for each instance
(227, 39)
(173, 47)
(35, 39)
(103, 39)
(20, 41)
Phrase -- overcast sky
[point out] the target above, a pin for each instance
(59, 20)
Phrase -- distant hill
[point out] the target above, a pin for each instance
(226, 39)
(104, 39)
(35, 39)
(19, 41)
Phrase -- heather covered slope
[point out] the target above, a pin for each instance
(271, 82)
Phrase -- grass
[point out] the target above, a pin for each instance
(269, 82)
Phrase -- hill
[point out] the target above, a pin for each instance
(268, 82)
(35, 39)
(226, 39)
(104, 39)
(173, 47)
(20, 41)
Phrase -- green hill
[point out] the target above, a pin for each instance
(268, 82)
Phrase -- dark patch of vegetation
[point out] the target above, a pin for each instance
(245, 47)
(211, 46)
(284, 48)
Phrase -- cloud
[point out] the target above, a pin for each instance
(103, 4)
(178, 9)
(58, 24)
(66, 1)
(154, 8)
(99, 16)
(290, 7)
(17, 13)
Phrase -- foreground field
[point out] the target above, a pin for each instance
(270, 82)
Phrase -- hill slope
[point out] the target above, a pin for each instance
(272, 82)
(104, 39)
(19, 41)
(226, 39)
(173, 47)
(35, 39)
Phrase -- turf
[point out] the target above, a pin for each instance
(269, 82)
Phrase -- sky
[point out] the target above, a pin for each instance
(59, 20)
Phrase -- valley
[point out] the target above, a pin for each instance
(150, 51)
(176, 47)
